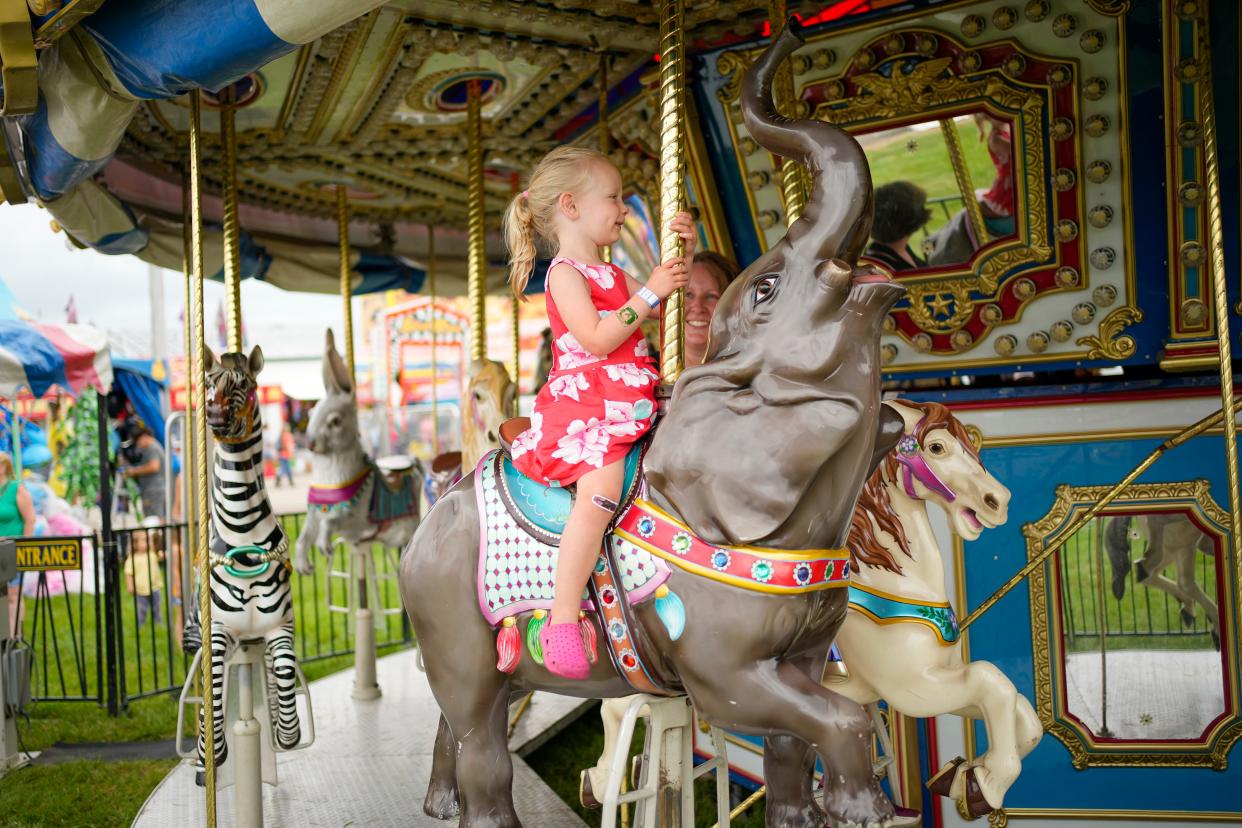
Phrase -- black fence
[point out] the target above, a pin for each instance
(111, 632)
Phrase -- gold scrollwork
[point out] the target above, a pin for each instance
(1109, 342)
(1111, 8)
(942, 307)
(1213, 750)
(732, 65)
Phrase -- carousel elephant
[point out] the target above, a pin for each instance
(792, 388)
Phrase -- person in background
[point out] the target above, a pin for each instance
(284, 457)
(17, 520)
(710, 274)
(143, 461)
(143, 574)
(900, 210)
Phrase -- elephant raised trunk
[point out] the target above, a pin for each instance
(837, 221)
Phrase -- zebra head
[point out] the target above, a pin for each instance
(232, 395)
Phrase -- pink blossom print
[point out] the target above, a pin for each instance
(568, 385)
(572, 354)
(583, 443)
(632, 375)
(602, 276)
(640, 347)
(528, 439)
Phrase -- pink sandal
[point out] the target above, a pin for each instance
(563, 651)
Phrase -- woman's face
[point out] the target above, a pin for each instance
(702, 294)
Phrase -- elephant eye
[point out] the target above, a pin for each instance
(764, 288)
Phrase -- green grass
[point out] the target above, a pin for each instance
(1144, 619)
(79, 794)
(928, 165)
(577, 747)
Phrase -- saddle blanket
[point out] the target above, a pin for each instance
(517, 572)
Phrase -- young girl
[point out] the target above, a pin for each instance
(600, 394)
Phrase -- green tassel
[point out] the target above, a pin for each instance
(533, 626)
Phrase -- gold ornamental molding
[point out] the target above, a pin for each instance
(1211, 750)
(1111, 343)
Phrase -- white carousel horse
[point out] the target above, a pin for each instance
(488, 403)
(900, 637)
(352, 496)
(1170, 540)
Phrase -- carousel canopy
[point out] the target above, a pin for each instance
(35, 356)
(336, 92)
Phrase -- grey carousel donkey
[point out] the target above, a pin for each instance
(251, 588)
(352, 496)
(746, 544)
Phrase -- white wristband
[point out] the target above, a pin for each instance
(649, 296)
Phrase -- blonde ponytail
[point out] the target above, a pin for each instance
(529, 217)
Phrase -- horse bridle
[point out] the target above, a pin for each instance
(914, 467)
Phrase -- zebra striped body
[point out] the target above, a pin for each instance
(247, 608)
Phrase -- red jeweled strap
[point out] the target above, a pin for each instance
(781, 571)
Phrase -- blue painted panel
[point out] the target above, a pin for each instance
(1003, 635)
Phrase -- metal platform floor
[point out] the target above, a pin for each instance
(370, 762)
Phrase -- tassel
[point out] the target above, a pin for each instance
(588, 636)
(533, 626)
(671, 611)
(508, 646)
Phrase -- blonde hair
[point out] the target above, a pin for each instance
(529, 218)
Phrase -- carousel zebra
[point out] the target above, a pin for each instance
(251, 590)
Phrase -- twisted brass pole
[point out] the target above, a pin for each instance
(672, 180)
(961, 172)
(605, 138)
(1210, 421)
(435, 366)
(189, 464)
(347, 286)
(231, 229)
(476, 276)
(198, 397)
(517, 329)
(793, 194)
(1216, 248)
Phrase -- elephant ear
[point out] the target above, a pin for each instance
(718, 433)
(336, 376)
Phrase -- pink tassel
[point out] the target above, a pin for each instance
(588, 636)
(508, 646)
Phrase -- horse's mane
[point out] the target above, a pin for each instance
(874, 510)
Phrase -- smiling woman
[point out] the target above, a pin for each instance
(710, 274)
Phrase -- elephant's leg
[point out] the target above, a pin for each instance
(283, 662)
(222, 645)
(778, 697)
(441, 800)
(478, 720)
(788, 770)
(595, 780)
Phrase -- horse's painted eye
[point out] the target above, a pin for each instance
(764, 288)
(936, 449)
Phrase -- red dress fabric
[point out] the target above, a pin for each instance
(593, 407)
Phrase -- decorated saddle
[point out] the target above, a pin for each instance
(394, 496)
(522, 522)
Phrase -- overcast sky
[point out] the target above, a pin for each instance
(112, 292)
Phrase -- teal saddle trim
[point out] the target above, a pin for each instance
(883, 608)
(547, 507)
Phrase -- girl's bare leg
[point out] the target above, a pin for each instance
(584, 532)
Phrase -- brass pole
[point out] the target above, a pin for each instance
(1216, 246)
(517, 329)
(672, 179)
(605, 138)
(962, 173)
(793, 195)
(198, 394)
(476, 284)
(1102, 623)
(342, 230)
(1210, 421)
(189, 462)
(435, 366)
(231, 229)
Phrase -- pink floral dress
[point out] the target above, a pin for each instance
(593, 408)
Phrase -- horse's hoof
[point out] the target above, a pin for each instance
(585, 794)
(972, 803)
(1140, 572)
(808, 813)
(942, 783)
(1188, 618)
(441, 802)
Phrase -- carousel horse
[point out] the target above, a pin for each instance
(723, 577)
(900, 637)
(916, 666)
(251, 588)
(488, 403)
(352, 496)
(1169, 540)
